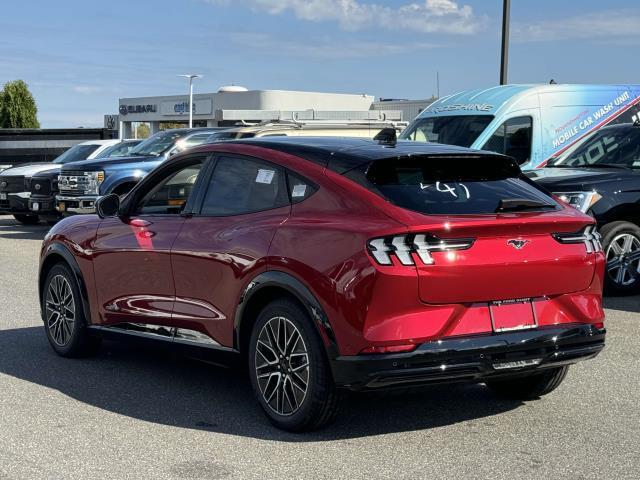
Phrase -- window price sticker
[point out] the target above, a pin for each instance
(265, 176)
(299, 190)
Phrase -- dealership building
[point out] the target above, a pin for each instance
(232, 105)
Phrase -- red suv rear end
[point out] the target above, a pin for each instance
(332, 264)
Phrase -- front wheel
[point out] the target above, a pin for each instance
(26, 218)
(531, 386)
(621, 243)
(64, 320)
(289, 371)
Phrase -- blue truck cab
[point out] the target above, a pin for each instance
(81, 183)
(532, 123)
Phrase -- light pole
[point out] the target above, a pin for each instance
(504, 60)
(191, 77)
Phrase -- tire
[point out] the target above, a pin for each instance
(291, 407)
(530, 387)
(621, 244)
(69, 338)
(26, 218)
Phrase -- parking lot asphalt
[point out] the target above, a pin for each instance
(134, 412)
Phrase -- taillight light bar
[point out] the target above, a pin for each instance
(589, 236)
(404, 246)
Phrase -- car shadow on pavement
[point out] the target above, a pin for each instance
(153, 385)
(623, 303)
(13, 230)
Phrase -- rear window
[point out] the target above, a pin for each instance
(453, 185)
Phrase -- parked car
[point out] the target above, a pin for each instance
(15, 183)
(44, 185)
(332, 263)
(601, 176)
(347, 128)
(82, 183)
(531, 123)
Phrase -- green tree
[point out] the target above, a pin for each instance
(143, 130)
(18, 108)
(170, 125)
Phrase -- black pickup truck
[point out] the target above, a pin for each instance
(600, 175)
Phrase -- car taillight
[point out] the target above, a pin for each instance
(589, 236)
(404, 246)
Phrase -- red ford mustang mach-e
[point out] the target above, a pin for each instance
(329, 264)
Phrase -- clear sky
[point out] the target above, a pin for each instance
(79, 57)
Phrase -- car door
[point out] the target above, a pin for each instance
(226, 243)
(132, 256)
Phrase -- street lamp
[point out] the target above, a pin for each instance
(190, 77)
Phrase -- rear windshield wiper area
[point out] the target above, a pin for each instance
(591, 165)
(607, 165)
(522, 204)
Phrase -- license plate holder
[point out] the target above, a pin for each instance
(35, 206)
(62, 207)
(3, 196)
(511, 315)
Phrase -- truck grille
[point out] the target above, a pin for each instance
(40, 186)
(12, 184)
(73, 183)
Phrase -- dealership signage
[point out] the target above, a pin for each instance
(111, 122)
(127, 109)
(479, 107)
(200, 107)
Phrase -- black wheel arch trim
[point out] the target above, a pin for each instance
(285, 281)
(57, 248)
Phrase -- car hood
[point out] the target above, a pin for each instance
(102, 163)
(51, 173)
(567, 179)
(28, 170)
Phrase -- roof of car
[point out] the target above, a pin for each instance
(344, 153)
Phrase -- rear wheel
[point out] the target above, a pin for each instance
(26, 218)
(289, 371)
(621, 242)
(530, 387)
(63, 315)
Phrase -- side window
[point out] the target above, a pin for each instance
(299, 188)
(169, 196)
(243, 185)
(512, 138)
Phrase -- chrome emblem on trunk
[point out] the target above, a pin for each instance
(517, 244)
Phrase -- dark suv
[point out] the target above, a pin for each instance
(329, 264)
(601, 176)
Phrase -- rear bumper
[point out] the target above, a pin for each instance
(471, 359)
(81, 205)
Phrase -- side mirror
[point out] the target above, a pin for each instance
(108, 206)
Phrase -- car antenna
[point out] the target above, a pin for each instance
(387, 136)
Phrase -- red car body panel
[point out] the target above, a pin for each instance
(213, 261)
(191, 272)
